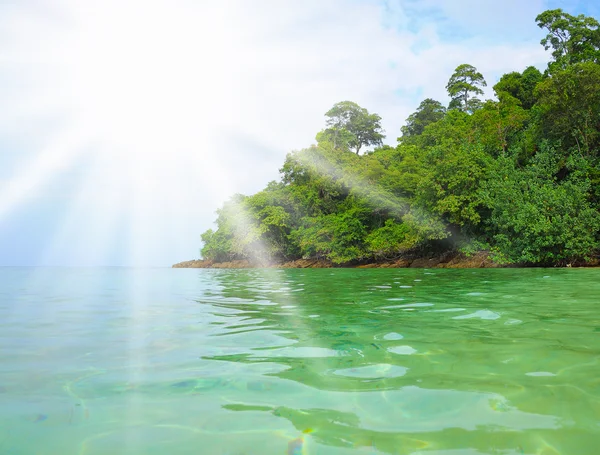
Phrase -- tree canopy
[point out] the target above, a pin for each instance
(519, 86)
(428, 112)
(463, 86)
(573, 39)
(518, 177)
(351, 126)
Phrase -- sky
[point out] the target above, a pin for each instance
(124, 124)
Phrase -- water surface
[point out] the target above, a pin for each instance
(321, 361)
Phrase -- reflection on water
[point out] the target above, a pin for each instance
(125, 361)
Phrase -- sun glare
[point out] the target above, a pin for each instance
(144, 90)
(146, 73)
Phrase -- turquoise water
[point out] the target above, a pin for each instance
(322, 361)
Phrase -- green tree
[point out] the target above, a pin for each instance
(535, 219)
(217, 245)
(428, 112)
(275, 215)
(448, 186)
(520, 86)
(389, 240)
(339, 236)
(314, 177)
(498, 122)
(573, 39)
(569, 107)
(350, 125)
(235, 235)
(464, 84)
(454, 128)
(337, 138)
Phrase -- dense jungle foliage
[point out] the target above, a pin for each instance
(518, 176)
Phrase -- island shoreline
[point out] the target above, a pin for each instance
(450, 260)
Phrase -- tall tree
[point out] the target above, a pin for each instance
(520, 86)
(574, 39)
(351, 125)
(465, 83)
(428, 112)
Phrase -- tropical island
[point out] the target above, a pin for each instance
(508, 182)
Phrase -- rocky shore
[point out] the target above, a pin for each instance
(450, 260)
(447, 260)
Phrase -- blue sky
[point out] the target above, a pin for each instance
(125, 124)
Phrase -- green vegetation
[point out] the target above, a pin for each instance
(464, 82)
(518, 176)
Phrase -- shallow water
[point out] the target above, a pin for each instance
(321, 361)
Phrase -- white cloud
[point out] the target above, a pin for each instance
(188, 102)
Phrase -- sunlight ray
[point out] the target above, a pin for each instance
(59, 155)
(97, 207)
(369, 191)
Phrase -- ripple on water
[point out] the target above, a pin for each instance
(480, 314)
(513, 322)
(377, 371)
(407, 305)
(448, 310)
(392, 336)
(403, 350)
(305, 352)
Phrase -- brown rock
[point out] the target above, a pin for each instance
(425, 263)
(194, 264)
(447, 257)
(402, 263)
(239, 264)
(479, 260)
(305, 264)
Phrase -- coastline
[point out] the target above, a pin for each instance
(450, 260)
